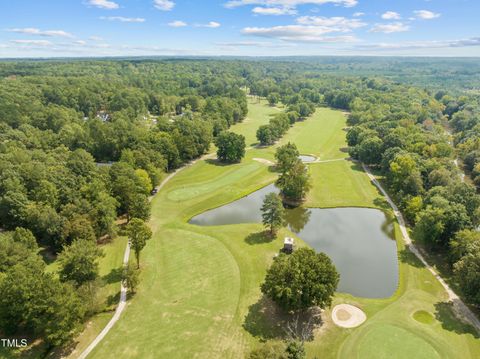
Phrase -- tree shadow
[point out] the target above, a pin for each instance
(115, 276)
(217, 162)
(409, 258)
(63, 351)
(47, 255)
(265, 320)
(273, 169)
(344, 149)
(259, 238)
(356, 166)
(381, 202)
(445, 315)
(113, 299)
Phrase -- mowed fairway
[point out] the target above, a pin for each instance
(199, 295)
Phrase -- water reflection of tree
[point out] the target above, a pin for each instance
(297, 218)
(388, 225)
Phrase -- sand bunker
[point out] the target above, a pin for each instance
(348, 316)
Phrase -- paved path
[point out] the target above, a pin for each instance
(123, 291)
(461, 310)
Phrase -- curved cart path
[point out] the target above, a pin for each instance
(462, 311)
(123, 291)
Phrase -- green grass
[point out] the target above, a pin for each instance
(259, 113)
(341, 184)
(321, 135)
(199, 294)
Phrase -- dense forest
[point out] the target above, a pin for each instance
(84, 143)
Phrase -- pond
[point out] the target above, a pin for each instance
(307, 158)
(358, 240)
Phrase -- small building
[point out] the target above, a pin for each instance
(288, 245)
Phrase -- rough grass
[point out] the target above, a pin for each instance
(199, 295)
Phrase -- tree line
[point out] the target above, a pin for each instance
(82, 144)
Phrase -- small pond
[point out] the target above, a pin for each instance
(307, 158)
(358, 240)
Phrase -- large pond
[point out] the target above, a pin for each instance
(358, 240)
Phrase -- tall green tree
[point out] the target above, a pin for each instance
(265, 135)
(467, 274)
(130, 278)
(301, 280)
(272, 212)
(231, 147)
(79, 262)
(138, 234)
(294, 183)
(286, 156)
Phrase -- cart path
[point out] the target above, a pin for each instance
(462, 311)
(123, 291)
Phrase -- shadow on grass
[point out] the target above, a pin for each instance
(265, 320)
(382, 203)
(47, 255)
(445, 315)
(409, 258)
(63, 351)
(217, 162)
(259, 238)
(115, 276)
(113, 299)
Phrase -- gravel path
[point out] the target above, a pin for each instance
(462, 311)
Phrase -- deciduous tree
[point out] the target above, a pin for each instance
(301, 280)
(272, 212)
(138, 234)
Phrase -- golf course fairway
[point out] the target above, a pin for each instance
(199, 294)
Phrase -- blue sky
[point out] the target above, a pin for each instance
(52, 28)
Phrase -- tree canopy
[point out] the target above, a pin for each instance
(231, 147)
(301, 280)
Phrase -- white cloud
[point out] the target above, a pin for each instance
(164, 5)
(35, 31)
(273, 11)
(391, 15)
(390, 28)
(80, 42)
(211, 24)
(289, 3)
(358, 14)
(299, 33)
(104, 4)
(425, 14)
(177, 23)
(32, 42)
(123, 19)
(337, 24)
(96, 38)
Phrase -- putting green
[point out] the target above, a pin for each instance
(389, 341)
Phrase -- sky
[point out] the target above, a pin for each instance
(84, 28)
